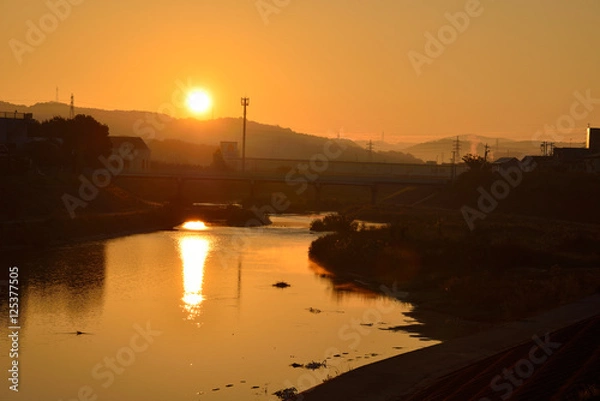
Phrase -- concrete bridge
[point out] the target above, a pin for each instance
(298, 179)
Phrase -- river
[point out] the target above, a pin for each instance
(192, 314)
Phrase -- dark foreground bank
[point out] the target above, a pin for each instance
(534, 359)
(510, 267)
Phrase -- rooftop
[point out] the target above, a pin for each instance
(136, 141)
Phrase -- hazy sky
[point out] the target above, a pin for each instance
(509, 67)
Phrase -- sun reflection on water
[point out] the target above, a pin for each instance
(194, 226)
(193, 250)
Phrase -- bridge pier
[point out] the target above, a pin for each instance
(179, 191)
(374, 191)
(318, 188)
(252, 189)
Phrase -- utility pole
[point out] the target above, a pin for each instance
(370, 149)
(72, 108)
(245, 103)
(485, 153)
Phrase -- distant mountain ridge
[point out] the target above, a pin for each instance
(262, 141)
(441, 150)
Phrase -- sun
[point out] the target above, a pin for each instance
(198, 101)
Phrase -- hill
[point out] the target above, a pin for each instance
(441, 149)
(262, 141)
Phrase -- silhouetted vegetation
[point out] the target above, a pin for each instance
(218, 163)
(507, 268)
(334, 222)
(475, 162)
(73, 144)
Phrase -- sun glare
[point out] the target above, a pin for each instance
(194, 226)
(199, 101)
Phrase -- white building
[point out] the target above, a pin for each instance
(140, 162)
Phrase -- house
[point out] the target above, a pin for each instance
(140, 162)
(541, 163)
(504, 163)
(571, 159)
(14, 129)
(593, 139)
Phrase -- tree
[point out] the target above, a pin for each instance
(475, 162)
(83, 139)
(219, 163)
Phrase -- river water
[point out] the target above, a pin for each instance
(188, 315)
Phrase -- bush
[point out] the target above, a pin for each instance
(334, 222)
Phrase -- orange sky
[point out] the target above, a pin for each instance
(318, 66)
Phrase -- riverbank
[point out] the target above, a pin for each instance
(40, 211)
(510, 267)
(495, 350)
(43, 210)
(56, 231)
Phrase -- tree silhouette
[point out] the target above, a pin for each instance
(475, 162)
(219, 163)
(83, 140)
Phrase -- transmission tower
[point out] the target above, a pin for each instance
(72, 108)
(370, 149)
(453, 171)
(456, 149)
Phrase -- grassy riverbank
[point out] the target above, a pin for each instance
(45, 210)
(33, 212)
(510, 267)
